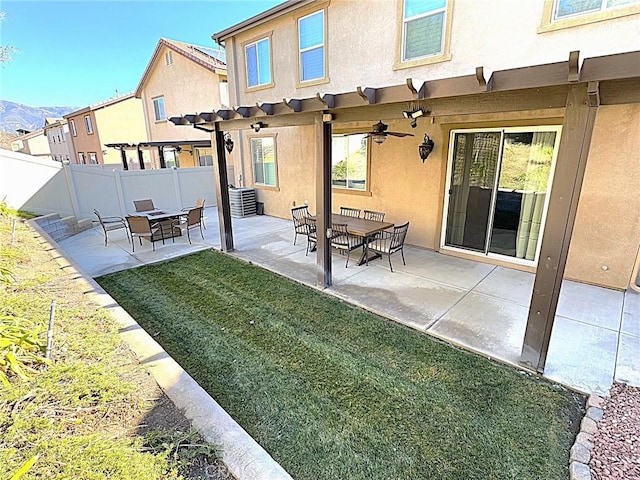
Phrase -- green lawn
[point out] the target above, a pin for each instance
(332, 391)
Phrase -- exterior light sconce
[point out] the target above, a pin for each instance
(257, 126)
(228, 143)
(425, 148)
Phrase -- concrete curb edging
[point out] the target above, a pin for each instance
(243, 456)
(581, 450)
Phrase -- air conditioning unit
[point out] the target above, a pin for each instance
(243, 202)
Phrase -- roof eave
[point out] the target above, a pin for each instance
(256, 20)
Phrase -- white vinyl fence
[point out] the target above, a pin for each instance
(45, 186)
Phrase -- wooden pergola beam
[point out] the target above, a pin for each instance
(323, 200)
(222, 191)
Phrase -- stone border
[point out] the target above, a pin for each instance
(243, 456)
(581, 450)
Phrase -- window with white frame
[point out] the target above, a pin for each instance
(205, 157)
(168, 57)
(571, 8)
(87, 124)
(93, 158)
(258, 60)
(74, 132)
(81, 159)
(423, 28)
(311, 44)
(263, 158)
(158, 109)
(349, 161)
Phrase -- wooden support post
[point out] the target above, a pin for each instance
(323, 200)
(580, 113)
(123, 156)
(222, 191)
(140, 158)
(163, 163)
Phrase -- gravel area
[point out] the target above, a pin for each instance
(616, 444)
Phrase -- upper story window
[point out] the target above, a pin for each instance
(168, 57)
(53, 138)
(74, 132)
(263, 158)
(349, 161)
(158, 109)
(258, 58)
(93, 158)
(59, 141)
(423, 28)
(570, 8)
(88, 125)
(311, 43)
(81, 159)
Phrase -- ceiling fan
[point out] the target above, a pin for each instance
(379, 133)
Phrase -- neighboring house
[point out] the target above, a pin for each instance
(181, 78)
(533, 106)
(32, 143)
(57, 132)
(117, 120)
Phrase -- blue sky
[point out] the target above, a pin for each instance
(75, 53)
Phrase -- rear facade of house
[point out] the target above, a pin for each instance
(484, 191)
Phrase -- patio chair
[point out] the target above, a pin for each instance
(111, 223)
(141, 227)
(312, 235)
(300, 216)
(372, 215)
(389, 242)
(143, 205)
(343, 241)
(350, 212)
(191, 220)
(199, 203)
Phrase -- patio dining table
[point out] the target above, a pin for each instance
(165, 219)
(361, 227)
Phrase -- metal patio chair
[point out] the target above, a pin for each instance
(350, 212)
(389, 242)
(141, 227)
(372, 215)
(199, 203)
(143, 205)
(312, 234)
(300, 216)
(343, 241)
(110, 223)
(191, 220)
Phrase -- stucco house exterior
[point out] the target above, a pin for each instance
(56, 130)
(179, 78)
(32, 143)
(116, 120)
(533, 108)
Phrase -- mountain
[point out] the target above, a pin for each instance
(16, 115)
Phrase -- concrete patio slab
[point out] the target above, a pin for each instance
(631, 314)
(601, 307)
(520, 285)
(628, 361)
(485, 324)
(581, 355)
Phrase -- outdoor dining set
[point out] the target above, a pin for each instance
(350, 231)
(154, 224)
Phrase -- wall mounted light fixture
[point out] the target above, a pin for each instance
(257, 126)
(413, 115)
(228, 143)
(426, 147)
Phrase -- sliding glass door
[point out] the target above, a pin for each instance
(498, 184)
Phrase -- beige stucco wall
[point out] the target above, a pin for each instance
(84, 142)
(121, 122)
(607, 231)
(363, 40)
(187, 88)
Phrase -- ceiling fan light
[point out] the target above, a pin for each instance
(378, 138)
